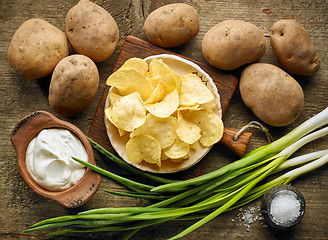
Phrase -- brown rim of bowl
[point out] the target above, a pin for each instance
(28, 128)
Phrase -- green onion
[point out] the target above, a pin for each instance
(318, 159)
(126, 182)
(127, 166)
(204, 197)
(301, 160)
(137, 195)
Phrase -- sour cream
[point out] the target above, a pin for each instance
(49, 162)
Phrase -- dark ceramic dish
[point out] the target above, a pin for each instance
(266, 203)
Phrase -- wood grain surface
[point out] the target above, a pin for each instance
(21, 207)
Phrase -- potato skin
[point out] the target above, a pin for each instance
(274, 96)
(36, 48)
(233, 43)
(73, 85)
(91, 30)
(172, 25)
(293, 48)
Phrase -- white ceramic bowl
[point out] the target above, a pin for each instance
(181, 66)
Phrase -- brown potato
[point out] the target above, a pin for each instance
(172, 25)
(274, 97)
(293, 48)
(91, 30)
(36, 48)
(73, 85)
(233, 43)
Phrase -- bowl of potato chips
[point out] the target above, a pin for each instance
(162, 113)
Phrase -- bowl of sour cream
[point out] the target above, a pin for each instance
(45, 146)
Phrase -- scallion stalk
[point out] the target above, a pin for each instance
(127, 166)
(207, 196)
(126, 182)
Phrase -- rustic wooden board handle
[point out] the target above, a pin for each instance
(239, 147)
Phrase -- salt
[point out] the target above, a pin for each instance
(285, 207)
(282, 206)
(247, 216)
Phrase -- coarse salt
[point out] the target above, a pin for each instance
(247, 216)
(285, 207)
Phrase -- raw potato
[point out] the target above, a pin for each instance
(74, 84)
(273, 96)
(36, 48)
(172, 25)
(233, 43)
(91, 30)
(293, 48)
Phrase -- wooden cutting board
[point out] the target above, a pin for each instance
(135, 47)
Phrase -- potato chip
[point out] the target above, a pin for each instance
(113, 97)
(163, 129)
(178, 160)
(187, 131)
(194, 146)
(121, 132)
(152, 81)
(128, 112)
(163, 156)
(194, 91)
(137, 63)
(164, 75)
(193, 107)
(129, 80)
(210, 124)
(108, 116)
(179, 149)
(157, 95)
(144, 147)
(169, 74)
(166, 107)
(209, 106)
(148, 75)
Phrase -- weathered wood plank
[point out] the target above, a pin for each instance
(21, 207)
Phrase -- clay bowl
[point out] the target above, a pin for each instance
(25, 131)
(180, 66)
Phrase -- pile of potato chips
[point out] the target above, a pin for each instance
(164, 113)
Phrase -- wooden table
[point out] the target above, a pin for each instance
(21, 207)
